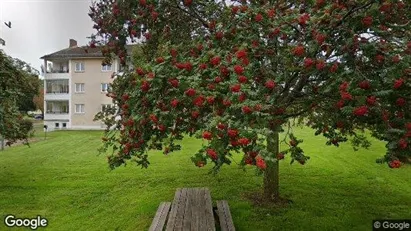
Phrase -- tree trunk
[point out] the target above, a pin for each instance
(271, 173)
(2, 142)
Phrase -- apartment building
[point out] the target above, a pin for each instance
(75, 87)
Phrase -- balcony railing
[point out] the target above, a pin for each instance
(58, 71)
(57, 112)
(57, 92)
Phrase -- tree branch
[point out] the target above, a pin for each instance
(353, 10)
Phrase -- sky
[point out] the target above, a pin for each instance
(40, 27)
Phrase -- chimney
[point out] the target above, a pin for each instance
(73, 43)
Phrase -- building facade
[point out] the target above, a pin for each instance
(75, 87)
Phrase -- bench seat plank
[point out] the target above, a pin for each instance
(209, 215)
(160, 217)
(173, 212)
(224, 214)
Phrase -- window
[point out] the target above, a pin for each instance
(79, 87)
(104, 87)
(106, 67)
(79, 67)
(64, 125)
(56, 125)
(79, 108)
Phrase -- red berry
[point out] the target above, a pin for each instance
(241, 54)
(215, 61)
(221, 126)
(199, 101)
(232, 133)
(402, 143)
(371, 100)
(242, 79)
(219, 35)
(160, 60)
(212, 154)
(260, 163)
(246, 109)
(236, 88)
(298, 51)
(188, 2)
(243, 141)
(320, 65)
(153, 118)
(364, 85)
(190, 92)
(217, 79)
(398, 83)
(400, 102)
(125, 97)
(145, 86)
(280, 156)
(320, 38)
(395, 164)
(360, 111)
(195, 114)
(207, 135)
(367, 21)
(258, 17)
(308, 62)
(174, 103)
(239, 70)
(174, 82)
(270, 84)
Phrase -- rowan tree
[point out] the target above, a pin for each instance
(248, 68)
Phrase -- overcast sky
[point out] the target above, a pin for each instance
(40, 27)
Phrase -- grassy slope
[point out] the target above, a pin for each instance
(64, 180)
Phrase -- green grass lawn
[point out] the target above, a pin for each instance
(65, 180)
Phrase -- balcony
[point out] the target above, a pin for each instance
(57, 75)
(57, 96)
(57, 70)
(57, 90)
(57, 110)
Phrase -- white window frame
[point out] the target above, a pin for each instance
(81, 107)
(105, 68)
(104, 87)
(81, 88)
(79, 67)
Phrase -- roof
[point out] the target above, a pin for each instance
(81, 52)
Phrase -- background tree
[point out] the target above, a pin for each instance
(38, 100)
(14, 83)
(250, 68)
(31, 88)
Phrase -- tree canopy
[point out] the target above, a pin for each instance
(17, 79)
(236, 74)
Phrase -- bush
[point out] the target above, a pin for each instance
(22, 131)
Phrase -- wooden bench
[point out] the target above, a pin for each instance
(192, 210)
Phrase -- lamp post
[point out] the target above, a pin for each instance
(45, 131)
